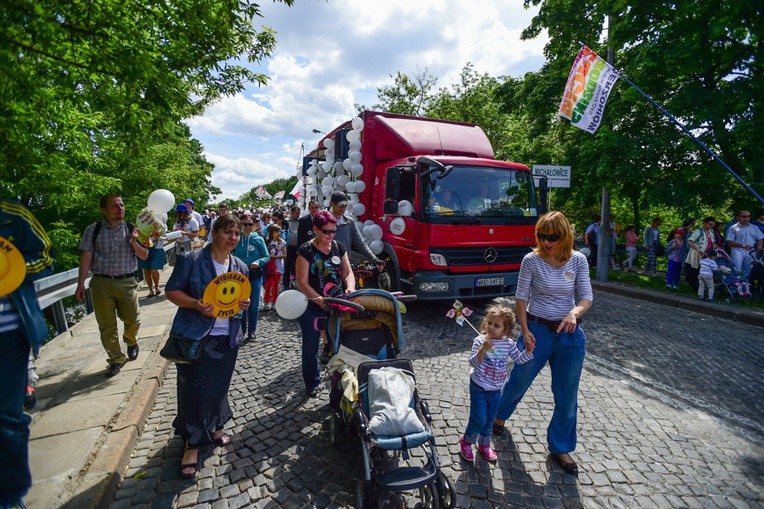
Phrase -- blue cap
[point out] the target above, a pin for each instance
(181, 208)
(189, 200)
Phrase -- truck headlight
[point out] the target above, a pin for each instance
(434, 287)
(438, 259)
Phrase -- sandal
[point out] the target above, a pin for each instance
(223, 440)
(568, 466)
(158, 292)
(151, 294)
(189, 470)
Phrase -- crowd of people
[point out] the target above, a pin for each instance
(702, 252)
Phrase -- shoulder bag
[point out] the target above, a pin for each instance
(182, 350)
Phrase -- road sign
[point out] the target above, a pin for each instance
(556, 176)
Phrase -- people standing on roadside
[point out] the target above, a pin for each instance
(742, 238)
(553, 293)
(489, 368)
(706, 275)
(275, 266)
(674, 254)
(22, 330)
(701, 241)
(292, 225)
(319, 261)
(110, 250)
(631, 246)
(188, 226)
(202, 387)
(305, 228)
(252, 250)
(652, 239)
(591, 239)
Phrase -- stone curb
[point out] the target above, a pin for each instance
(99, 483)
(739, 314)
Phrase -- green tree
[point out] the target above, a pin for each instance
(408, 95)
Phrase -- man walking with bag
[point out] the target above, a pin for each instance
(110, 249)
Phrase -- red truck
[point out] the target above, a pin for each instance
(470, 220)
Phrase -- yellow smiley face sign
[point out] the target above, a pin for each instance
(13, 270)
(225, 292)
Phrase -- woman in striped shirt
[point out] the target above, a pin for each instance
(553, 293)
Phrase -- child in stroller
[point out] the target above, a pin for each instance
(731, 280)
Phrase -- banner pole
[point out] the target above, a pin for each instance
(688, 133)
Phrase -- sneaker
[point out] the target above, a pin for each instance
(487, 452)
(466, 450)
(700, 299)
(30, 399)
(132, 352)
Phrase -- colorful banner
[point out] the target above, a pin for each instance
(297, 189)
(279, 195)
(589, 84)
(262, 193)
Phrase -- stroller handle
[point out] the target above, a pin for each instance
(335, 302)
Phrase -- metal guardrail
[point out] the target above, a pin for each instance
(52, 290)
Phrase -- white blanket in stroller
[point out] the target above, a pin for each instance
(390, 392)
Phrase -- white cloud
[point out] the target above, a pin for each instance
(332, 55)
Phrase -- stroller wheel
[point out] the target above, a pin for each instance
(445, 491)
(336, 428)
(429, 497)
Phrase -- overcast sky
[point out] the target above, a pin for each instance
(332, 54)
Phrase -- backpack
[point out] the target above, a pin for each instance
(130, 226)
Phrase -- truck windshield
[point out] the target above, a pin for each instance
(478, 193)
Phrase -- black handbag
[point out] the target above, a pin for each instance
(182, 350)
(255, 273)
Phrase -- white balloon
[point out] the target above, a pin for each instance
(353, 136)
(327, 191)
(355, 145)
(342, 180)
(327, 181)
(375, 232)
(313, 162)
(353, 198)
(355, 156)
(327, 165)
(359, 186)
(376, 246)
(161, 200)
(350, 187)
(357, 123)
(347, 164)
(397, 226)
(359, 209)
(356, 170)
(291, 304)
(368, 222)
(311, 171)
(338, 167)
(329, 154)
(326, 202)
(366, 228)
(405, 208)
(329, 143)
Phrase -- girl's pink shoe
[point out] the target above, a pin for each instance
(487, 452)
(466, 450)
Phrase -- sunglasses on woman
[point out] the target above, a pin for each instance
(554, 237)
(328, 232)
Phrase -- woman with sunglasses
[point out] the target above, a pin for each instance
(551, 278)
(321, 262)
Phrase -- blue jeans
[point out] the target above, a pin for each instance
(483, 407)
(311, 338)
(674, 271)
(15, 478)
(565, 352)
(249, 325)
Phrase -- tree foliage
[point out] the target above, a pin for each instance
(95, 93)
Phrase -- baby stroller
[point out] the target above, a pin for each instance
(732, 281)
(366, 345)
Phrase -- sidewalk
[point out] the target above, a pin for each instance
(86, 425)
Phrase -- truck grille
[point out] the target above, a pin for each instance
(477, 255)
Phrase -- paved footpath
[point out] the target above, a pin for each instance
(670, 416)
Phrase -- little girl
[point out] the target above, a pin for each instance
(674, 255)
(275, 267)
(489, 369)
(631, 244)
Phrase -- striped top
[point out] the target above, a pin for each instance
(551, 293)
(9, 317)
(492, 372)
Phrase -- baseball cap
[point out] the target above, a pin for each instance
(189, 200)
(181, 208)
(338, 197)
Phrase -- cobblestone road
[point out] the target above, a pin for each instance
(670, 416)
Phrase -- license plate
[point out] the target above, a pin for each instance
(489, 281)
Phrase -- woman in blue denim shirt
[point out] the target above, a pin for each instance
(202, 390)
